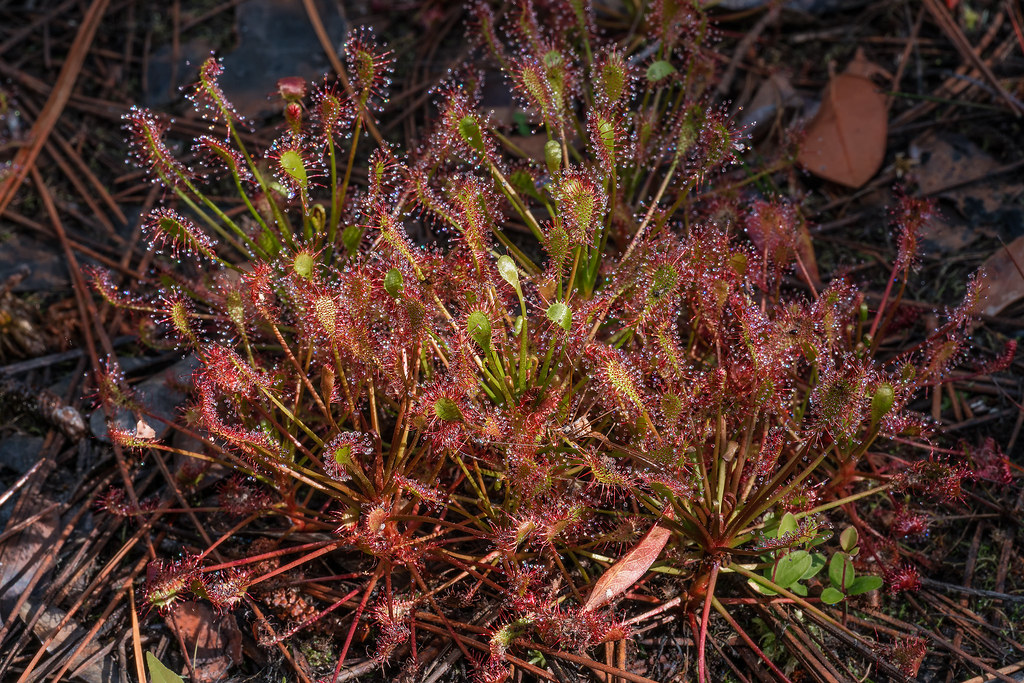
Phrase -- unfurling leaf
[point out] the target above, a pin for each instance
(553, 156)
(628, 570)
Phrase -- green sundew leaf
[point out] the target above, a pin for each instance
(881, 402)
(158, 673)
(553, 156)
(292, 164)
(508, 271)
(791, 566)
(831, 596)
(478, 327)
(848, 539)
(394, 283)
(469, 129)
(659, 70)
(787, 525)
(818, 562)
(863, 584)
(351, 236)
(561, 315)
(447, 409)
(613, 78)
(303, 265)
(840, 571)
(671, 407)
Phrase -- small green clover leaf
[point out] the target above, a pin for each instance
(787, 525)
(848, 539)
(791, 567)
(841, 574)
(863, 584)
(840, 571)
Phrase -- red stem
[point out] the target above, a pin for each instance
(702, 635)
(355, 623)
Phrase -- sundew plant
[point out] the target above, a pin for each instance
(605, 393)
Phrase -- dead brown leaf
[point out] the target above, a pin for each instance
(628, 570)
(951, 167)
(1004, 272)
(845, 141)
(213, 642)
(773, 95)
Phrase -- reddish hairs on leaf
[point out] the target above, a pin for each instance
(613, 78)
(169, 583)
(906, 653)
(369, 68)
(102, 280)
(582, 205)
(910, 216)
(239, 499)
(902, 577)
(166, 228)
(220, 152)
(906, 524)
(333, 112)
(150, 150)
(230, 373)
(207, 97)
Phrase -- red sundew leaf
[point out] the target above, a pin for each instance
(628, 570)
(845, 142)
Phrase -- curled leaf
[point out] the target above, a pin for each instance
(628, 570)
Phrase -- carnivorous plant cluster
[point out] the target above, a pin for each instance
(520, 405)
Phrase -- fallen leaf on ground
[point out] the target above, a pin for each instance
(1004, 279)
(213, 642)
(947, 159)
(845, 142)
(773, 95)
(628, 570)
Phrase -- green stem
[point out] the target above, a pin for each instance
(332, 225)
(279, 218)
(348, 177)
